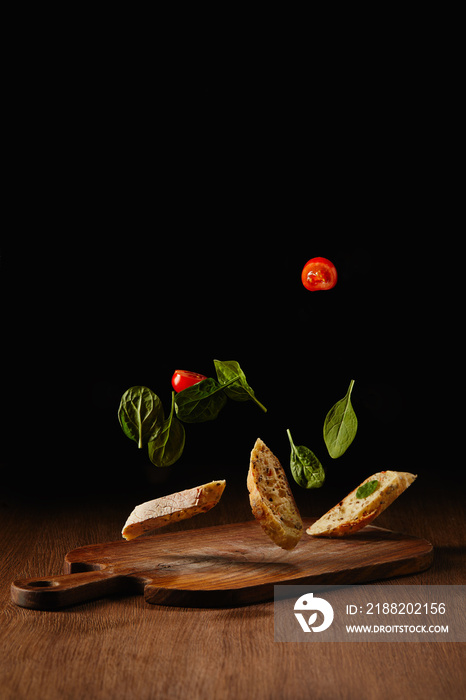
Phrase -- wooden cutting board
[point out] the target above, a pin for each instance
(225, 565)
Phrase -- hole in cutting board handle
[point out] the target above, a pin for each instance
(52, 593)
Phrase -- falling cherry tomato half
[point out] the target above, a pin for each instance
(182, 379)
(319, 273)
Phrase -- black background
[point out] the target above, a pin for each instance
(160, 229)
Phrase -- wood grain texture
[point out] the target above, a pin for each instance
(232, 564)
(122, 648)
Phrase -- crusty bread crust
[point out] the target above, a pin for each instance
(352, 514)
(177, 506)
(271, 498)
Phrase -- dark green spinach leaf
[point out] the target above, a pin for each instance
(168, 446)
(201, 402)
(307, 471)
(239, 389)
(366, 489)
(340, 425)
(140, 414)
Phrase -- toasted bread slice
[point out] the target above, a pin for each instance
(177, 506)
(271, 499)
(352, 513)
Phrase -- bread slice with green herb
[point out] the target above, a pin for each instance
(271, 498)
(362, 505)
(168, 509)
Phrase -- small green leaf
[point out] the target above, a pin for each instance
(140, 414)
(340, 425)
(366, 489)
(239, 389)
(306, 469)
(201, 402)
(168, 446)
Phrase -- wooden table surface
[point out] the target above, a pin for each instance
(124, 648)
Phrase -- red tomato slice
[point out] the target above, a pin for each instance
(319, 273)
(183, 378)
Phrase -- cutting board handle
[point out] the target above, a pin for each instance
(53, 592)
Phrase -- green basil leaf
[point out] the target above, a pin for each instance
(366, 489)
(340, 425)
(201, 402)
(306, 469)
(168, 446)
(239, 389)
(140, 414)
